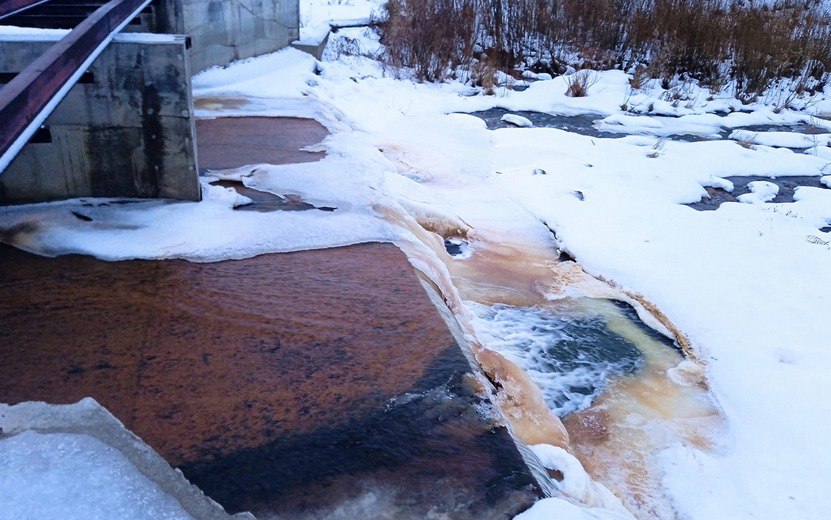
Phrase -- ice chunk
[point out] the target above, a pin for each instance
(542, 76)
(517, 120)
(576, 483)
(558, 508)
(66, 476)
(760, 192)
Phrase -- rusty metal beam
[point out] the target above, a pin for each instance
(10, 7)
(28, 99)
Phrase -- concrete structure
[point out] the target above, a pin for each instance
(226, 30)
(126, 129)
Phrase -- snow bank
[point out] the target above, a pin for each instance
(576, 483)
(783, 139)
(212, 230)
(559, 509)
(517, 120)
(317, 16)
(760, 192)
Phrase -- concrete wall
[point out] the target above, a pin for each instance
(127, 131)
(226, 30)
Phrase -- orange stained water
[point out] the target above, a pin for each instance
(619, 437)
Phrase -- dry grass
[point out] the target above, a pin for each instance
(639, 78)
(579, 83)
(716, 42)
(747, 141)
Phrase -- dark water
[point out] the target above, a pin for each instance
(265, 202)
(570, 356)
(584, 124)
(456, 247)
(787, 188)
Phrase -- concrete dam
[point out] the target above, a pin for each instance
(321, 383)
(84, 79)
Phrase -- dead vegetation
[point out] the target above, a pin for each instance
(741, 43)
(579, 83)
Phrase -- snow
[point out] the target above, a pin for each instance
(517, 120)
(66, 476)
(783, 139)
(542, 76)
(14, 33)
(760, 192)
(748, 284)
(316, 17)
(576, 483)
(559, 509)
(158, 230)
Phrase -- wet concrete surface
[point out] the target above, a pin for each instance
(287, 385)
(231, 142)
(787, 188)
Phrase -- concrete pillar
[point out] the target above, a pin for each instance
(125, 130)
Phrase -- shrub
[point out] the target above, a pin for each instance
(712, 41)
(580, 82)
(429, 36)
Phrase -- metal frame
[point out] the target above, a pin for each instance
(10, 7)
(28, 99)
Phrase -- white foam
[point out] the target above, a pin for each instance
(560, 354)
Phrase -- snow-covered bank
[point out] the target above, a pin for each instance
(209, 230)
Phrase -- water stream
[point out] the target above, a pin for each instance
(590, 125)
(624, 391)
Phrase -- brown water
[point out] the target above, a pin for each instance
(320, 384)
(231, 142)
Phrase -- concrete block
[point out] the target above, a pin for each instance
(125, 130)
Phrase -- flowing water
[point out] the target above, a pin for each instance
(624, 391)
(787, 188)
(317, 384)
(569, 351)
(587, 124)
